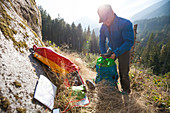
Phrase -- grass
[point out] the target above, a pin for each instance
(149, 92)
(153, 89)
(63, 97)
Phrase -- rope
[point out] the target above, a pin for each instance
(65, 110)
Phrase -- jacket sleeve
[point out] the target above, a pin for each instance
(128, 39)
(102, 41)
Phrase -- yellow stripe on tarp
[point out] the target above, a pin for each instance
(54, 67)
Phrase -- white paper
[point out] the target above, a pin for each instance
(83, 102)
(56, 111)
(45, 92)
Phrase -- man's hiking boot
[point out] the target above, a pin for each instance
(124, 93)
(90, 84)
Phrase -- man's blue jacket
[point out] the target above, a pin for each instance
(120, 37)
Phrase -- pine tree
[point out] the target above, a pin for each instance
(146, 52)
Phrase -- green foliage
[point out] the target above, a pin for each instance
(91, 59)
(156, 56)
(154, 88)
(153, 25)
(153, 50)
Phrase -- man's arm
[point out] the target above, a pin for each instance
(128, 37)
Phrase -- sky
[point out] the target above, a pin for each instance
(73, 10)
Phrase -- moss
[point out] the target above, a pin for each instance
(12, 5)
(26, 35)
(4, 3)
(2, 20)
(31, 95)
(22, 44)
(38, 39)
(25, 23)
(14, 31)
(37, 21)
(22, 26)
(32, 3)
(17, 49)
(34, 34)
(19, 45)
(21, 51)
(21, 110)
(4, 102)
(5, 15)
(9, 1)
(17, 84)
(36, 42)
(6, 31)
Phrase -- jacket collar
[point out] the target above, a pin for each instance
(114, 20)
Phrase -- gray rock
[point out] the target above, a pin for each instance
(20, 21)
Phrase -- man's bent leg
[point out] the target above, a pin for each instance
(124, 71)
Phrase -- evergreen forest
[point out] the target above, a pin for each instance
(72, 36)
(153, 49)
(153, 35)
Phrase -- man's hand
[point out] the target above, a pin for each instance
(106, 55)
(112, 56)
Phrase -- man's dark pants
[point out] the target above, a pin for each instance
(124, 71)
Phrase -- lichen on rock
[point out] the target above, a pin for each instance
(21, 110)
(17, 84)
(20, 29)
(4, 103)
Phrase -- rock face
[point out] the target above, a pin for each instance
(20, 29)
(28, 10)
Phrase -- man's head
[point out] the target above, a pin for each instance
(106, 14)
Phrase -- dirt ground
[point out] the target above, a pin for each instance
(106, 99)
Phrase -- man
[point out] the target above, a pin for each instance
(119, 32)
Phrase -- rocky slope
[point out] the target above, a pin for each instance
(20, 29)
